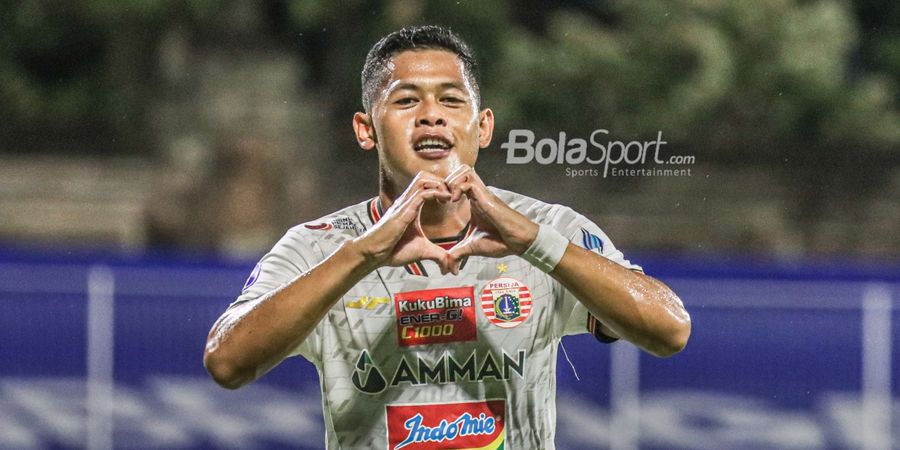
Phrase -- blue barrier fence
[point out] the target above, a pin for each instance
(797, 357)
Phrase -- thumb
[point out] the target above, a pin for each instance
(440, 257)
(464, 248)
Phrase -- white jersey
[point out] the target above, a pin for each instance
(412, 359)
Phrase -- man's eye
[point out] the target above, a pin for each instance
(455, 100)
(405, 101)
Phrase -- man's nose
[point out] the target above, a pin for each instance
(430, 114)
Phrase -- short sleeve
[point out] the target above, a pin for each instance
(289, 258)
(575, 318)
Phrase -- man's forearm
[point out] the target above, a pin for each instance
(634, 306)
(252, 338)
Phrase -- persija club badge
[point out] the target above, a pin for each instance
(506, 302)
(472, 425)
(435, 316)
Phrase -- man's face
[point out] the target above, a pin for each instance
(426, 118)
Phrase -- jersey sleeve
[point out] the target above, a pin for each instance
(293, 255)
(573, 317)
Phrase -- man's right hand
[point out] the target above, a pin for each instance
(397, 239)
(252, 337)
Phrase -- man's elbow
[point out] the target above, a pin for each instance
(225, 373)
(675, 341)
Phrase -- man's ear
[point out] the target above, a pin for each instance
(365, 131)
(485, 127)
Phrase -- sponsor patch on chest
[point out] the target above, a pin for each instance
(472, 425)
(435, 316)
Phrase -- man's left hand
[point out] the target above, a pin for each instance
(499, 230)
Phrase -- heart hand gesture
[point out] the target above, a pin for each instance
(397, 239)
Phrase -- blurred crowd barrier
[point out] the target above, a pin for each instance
(239, 199)
(217, 124)
(106, 352)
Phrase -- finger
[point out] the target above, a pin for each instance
(420, 197)
(464, 173)
(473, 177)
(467, 188)
(485, 203)
(430, 180)
(459, 169)
(464, 248)
(453, 264)
(422, 180)
(455, 185)
(480, 244)
(437, 254)
(464, 181)
(409, 210)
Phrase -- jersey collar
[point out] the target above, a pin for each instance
(375, 211)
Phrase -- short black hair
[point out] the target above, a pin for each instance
(426, 37)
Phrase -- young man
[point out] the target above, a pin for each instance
(434, 310)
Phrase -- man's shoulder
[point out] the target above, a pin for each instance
(350, 220)
(536, 210)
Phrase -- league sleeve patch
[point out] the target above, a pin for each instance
(254, 275)
(435, 316)
(591, 241)
(471, 425)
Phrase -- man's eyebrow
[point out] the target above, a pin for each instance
(453, 85)
(405, 87)
(409, 86)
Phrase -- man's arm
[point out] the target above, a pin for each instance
(630, 305)
(251, 338)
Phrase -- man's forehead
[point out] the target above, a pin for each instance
(432, 67)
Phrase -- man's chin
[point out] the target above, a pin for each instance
(441, 167)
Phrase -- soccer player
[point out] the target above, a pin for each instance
(433, 311)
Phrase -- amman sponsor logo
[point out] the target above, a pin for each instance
(369, 378)
(521, 148)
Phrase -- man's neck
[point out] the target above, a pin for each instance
(439, 220)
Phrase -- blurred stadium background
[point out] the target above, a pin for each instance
(152, 150)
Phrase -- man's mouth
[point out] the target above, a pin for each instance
(432, 144)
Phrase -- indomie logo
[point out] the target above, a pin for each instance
(464, 425)
(476, 424)
(368, 378)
